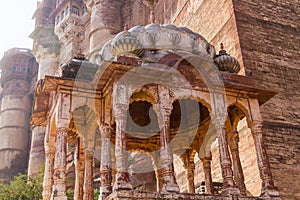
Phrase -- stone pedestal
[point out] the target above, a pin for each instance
(127, 195)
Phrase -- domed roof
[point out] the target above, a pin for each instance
(156, 37)
(126, 44)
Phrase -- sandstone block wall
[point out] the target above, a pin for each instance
(269, 38)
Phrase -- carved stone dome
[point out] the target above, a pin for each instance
(140, 40)
(226, 62)
(126, 44)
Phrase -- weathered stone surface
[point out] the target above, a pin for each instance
(139, 195)
(263, 36)
(272, 55)
(18, 67)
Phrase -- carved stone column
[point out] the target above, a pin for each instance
(158, 171)
(121, 150)
(105, 165)
(88, 185)
(49, 164)
(206, 162)
(268, 187)
(227, 173)
(190, 169)
(79, 171)
(233, 137)
(189, 165)
(59, 176)
(166, 155)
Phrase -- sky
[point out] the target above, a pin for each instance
(16, 24)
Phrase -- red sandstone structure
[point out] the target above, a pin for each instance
(18, 80)
(154, 112)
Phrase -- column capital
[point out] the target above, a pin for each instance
(49, 148)
(220, 120)
(105, 130)
(163, 113)
(120, 111)
(62, 130)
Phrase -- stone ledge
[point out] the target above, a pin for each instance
(141, 195)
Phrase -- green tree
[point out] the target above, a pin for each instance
(22, 188)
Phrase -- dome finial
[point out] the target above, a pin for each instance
(222, 51)
(226, 62)
(126, 27)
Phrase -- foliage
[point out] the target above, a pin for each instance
(26, 188)
(22, 188)
(70, 194)
(96, 194)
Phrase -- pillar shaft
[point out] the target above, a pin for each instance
(236, 161)
(88, 185)
(189, 165)
(227, 173)
(166, 155)
(206, 161)
(49, 164)
(122, 180)
(164, 109)
(105, 165)
(268, 188)
(190, 177)
(158, 171)
(79, 171)
(59, 176)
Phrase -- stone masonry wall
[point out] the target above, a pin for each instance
(269, 38)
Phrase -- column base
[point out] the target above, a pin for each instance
(46, 194)
(231, 191)
(58, 197)
(170, 188)
(122, 185)
(270, 193)
(134, 194)
(104, 192)
(103, 196)
(58, 194)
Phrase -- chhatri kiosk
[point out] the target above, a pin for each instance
(158, 89)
